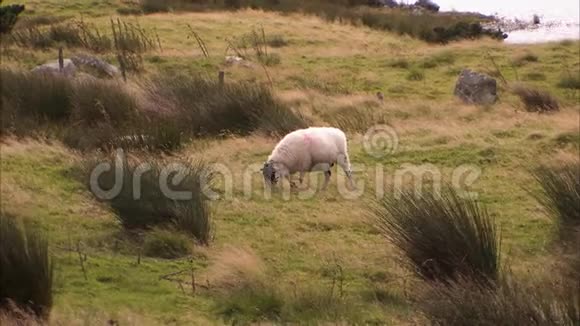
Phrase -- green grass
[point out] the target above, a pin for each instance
(294, 258)
(166, 243)
(330, 69)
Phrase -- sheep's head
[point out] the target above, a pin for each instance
(270, 173)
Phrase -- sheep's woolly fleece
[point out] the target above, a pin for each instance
(305, 150)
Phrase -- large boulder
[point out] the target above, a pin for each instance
(100, 66)
(69, 68)
(476, 88)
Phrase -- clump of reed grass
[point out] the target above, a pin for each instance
(570, 82)
(123, 36)
(145, 199)
(51, 98)
(441, 236)
(511, 302)
(26, 269)
(560, 195)
(208, 108)
(536, 100)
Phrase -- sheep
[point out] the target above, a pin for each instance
(307, 150)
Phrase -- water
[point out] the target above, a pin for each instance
(559, 18)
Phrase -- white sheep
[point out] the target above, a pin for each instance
(306, 150)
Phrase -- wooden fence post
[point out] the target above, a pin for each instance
(221, 77)
(60, 60)
(122, 66)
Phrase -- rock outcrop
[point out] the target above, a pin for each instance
(100, 66)
(476, 88)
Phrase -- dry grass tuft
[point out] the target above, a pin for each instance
(513, 302)
(536, 100)
(234, 268)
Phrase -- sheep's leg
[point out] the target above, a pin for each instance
(324, 167)
(344, 163)
(327, 175)
(301, 179)
(292, 184)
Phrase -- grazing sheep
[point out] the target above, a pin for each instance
(306, 150)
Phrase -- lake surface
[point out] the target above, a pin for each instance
(559, 18)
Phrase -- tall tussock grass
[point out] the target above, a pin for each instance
(39, 96)
(208, 108)
(536, 100)
(97, 101)
(84, 113)
(26, 270)
(159, 115)
(122, 36)
(510, 303)
(156, 193)
(442, 237)
(74, 33)
(133, 38)
(570, 82)
(560, 195)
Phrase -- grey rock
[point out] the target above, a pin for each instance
(83, 76)
(235, 60)
(99, 65)
(69, 68)
(476, 88)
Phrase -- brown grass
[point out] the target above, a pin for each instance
(234, 268)
(536, 100)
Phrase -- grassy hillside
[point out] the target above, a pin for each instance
(306, 261)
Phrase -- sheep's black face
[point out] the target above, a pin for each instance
(269, 173)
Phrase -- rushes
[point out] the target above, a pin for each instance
(560, 195)
(511, 303)
(536, 100)
(569, 82)
(145, 198)
(207, 108)
(76, 33)
(26, 270)
(51, 98)
(97, 101)
(441, 237)
(123, 37)
(133, 38)
(108, 113)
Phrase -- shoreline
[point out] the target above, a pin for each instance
(520, 31)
